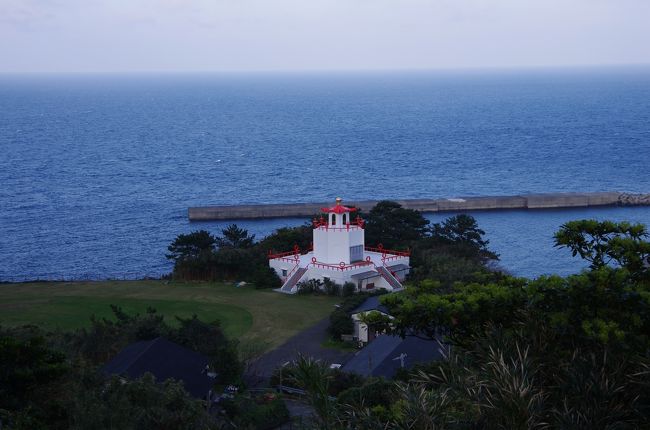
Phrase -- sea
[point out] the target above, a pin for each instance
(97, 171)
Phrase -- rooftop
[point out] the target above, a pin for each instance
(164, 360)
(338, 208)
(384, 355)
(371, 304)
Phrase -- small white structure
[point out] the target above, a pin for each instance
(339, 254)
(362, 333)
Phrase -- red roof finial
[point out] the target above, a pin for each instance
(338, 208)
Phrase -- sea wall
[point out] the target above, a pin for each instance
(526, 201)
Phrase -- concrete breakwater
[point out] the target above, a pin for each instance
(525, 201)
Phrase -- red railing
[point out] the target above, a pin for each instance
(291, 259)
(357, 223)
(392, 257)
(282, 254)
(341, 266)
(291, 272)
(348, 227)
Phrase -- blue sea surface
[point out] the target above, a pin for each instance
(97, 172)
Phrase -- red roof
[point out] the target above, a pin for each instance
(338, 209)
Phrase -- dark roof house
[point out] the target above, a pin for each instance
(386, 354)
(371, 304)
(164, 360)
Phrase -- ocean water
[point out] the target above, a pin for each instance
(97, 172)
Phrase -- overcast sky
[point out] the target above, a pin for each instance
(224, 35)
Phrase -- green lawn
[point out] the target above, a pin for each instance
(255, 316)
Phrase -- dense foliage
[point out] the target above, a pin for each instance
(51, 380)
(340, 320)
(234, 255)
(393, 226)
(551, 352)
(261, 413)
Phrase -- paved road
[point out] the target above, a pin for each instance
(307, 342)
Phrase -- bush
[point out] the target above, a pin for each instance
(266, 412)
(338, 380)
(265, 277)
(372, 392)
(342, 381)
(340, 321)
(312, 286)
(348, 289)
(331, 288)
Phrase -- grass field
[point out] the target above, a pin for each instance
(259, 317)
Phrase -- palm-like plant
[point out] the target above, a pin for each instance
(314, 377)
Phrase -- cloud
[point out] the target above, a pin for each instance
(175, 35)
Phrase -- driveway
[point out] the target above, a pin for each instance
(307, 342)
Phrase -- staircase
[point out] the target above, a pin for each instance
(293, 280)
(392, 280)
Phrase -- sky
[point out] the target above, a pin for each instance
(297, 35)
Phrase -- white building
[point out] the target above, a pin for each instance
(339, 254)
(362, 333)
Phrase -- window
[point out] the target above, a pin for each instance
(284, 272)
(333, 219)
(356, 253)
(370, 285)
(345, 219)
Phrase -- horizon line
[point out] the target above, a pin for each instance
(466, 69)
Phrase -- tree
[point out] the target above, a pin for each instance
(314, 377)
(340, 320)
(26, 366)
(107, 336)
(454, 251)
(196, 256)
(265, 277)
(389, 224)
(194, 246)
(285, 238)
(234, 263)
(605, 306)
(210, 340)
(143, 403)
(463, 231)
(235, 237)
(605, 242)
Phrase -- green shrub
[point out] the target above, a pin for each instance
(342, 381)
(265, 277)
(372, 392)
(266, 412)
(340, 321)
(348, 289)
(312, 286)
(331, 288)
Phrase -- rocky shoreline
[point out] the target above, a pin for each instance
(625, 199)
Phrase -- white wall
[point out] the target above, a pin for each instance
(278, 265)
(332, 245)
(361, 329)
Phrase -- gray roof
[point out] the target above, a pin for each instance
(365, 275)
(398, 267)
(164, 360)
(371, 304)
(381, 356)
